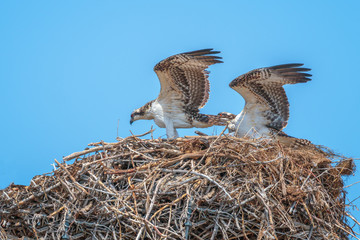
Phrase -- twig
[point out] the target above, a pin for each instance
(199, 174)
(352, 218)
(32, 197)
(213, 143)
(91, 150)
(216, 227)
(188, 222)
(155, 163)
(150, 208)
(168, 205)
(105, 147)
(352, 184)
(72, 178)
(141, 135)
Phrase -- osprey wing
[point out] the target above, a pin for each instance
(185, 75)
(263, 89)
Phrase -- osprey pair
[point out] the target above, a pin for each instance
(185, 89)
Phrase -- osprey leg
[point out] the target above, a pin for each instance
(171, 132)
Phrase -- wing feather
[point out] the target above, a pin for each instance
(263, 88)
(186, 74)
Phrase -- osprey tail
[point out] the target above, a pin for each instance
(292, 141)
(219, 120)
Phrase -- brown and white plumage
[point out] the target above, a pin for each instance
(266, 110)
(290, 141)
(184, 89)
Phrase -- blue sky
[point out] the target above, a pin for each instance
(71, 70)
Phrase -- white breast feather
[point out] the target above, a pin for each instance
(250, 122)
(171, 112)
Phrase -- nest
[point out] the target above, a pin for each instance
(203, 187)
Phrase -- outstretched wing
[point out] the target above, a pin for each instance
(262, 89)
(184, 76)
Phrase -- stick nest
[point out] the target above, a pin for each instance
(188, 188)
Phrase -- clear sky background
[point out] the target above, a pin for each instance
(71, 70)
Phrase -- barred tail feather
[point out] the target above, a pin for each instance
(219, 120)
(292, 141)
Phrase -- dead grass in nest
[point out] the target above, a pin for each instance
(190, 188)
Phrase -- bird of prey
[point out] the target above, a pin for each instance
(184, 90)
(266, 110)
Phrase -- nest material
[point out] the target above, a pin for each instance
(189, 188)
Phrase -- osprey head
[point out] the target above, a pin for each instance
(142, 113)
(135, 115)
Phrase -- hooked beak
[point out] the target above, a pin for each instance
(131, 121)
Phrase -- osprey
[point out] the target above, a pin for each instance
(266, 110)
(184, 89)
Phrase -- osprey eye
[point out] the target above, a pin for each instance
(132, 115)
